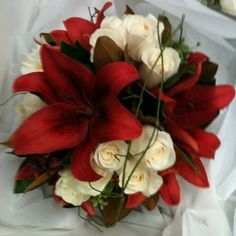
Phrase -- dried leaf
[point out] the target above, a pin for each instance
(109, 212)
(106, 51)
(166, 34)
(209, 70)
(8, 143)
(151, 202)
(48, 38)
(40, 180)
(128, 10)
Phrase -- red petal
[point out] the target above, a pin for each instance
(80, 166)
(170, 190)
(67, 76)
(191, 107)
(101, 16)
(60, 35)
(52, 128)
(59, 200)
(186, 83)
(115, 76)
(79, 29)
(187, 172)
(196, 58)
(26, 173)
(88, 207)
(134, 200)
(115, 122)
(180, 135)
(207, 142)
(156, 91)
(36, 83)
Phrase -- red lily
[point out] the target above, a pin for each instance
(189, 108)
(195, 107)
(79, 29)
(81, 107)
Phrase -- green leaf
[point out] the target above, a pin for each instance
(175, 78)
(21, 185)
(77, 53)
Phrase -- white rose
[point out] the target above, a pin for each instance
(171, 62)
(141, 31)
(228, 6)
(75, 191)
(32, 62)
(160, 155)
(142, 180)
(111, 27)
(110, 156)
(29, 104)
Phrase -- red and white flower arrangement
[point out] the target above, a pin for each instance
(113, 112)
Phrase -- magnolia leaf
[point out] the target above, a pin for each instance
(109, 212)
(77, 53)
(166, 34)
(106, 51)
(128, 10)
(8, 143)
(39, 181)
(151, 202)
(21, 185)
(209, 70)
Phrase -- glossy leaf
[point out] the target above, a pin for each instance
(106, 51)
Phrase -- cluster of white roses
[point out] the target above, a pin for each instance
(154, 149)
(228, 6)
(140, 35)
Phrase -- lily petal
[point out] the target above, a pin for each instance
(35, 83)
(67, 76)
(134, 200)
(101, 16)
(196, 58)
(207, 142)
(52, 128)
(180, 135)
(115, 122)
(80, 166)
(115, 76)
(170, 190)
(79, 29)
(88, 207)
(198, 178)
(201, 104)
(186, 83)
(60, 35)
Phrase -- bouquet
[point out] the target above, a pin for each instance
(114, 109)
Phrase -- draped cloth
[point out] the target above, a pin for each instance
(205, 212)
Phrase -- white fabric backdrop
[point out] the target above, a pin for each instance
(202, 212)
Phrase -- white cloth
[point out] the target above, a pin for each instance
(202, 212)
